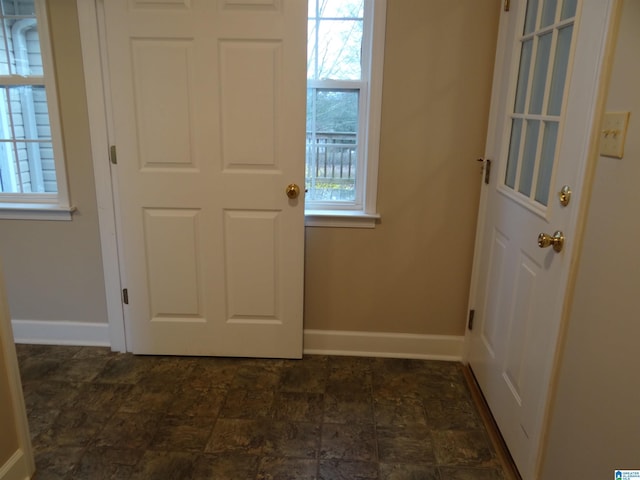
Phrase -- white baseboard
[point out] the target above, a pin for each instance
(61, 333)
(374, 344)
(16, 468)
(324, 342)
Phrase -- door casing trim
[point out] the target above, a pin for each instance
(97, 94)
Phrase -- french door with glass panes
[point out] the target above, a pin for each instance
(546, 83)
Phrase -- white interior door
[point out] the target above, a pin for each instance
(208, 102)
(546, 86)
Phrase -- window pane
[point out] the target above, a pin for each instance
(529, 157)
(530, 19)
(332, 125)
(23, 57)
(29, 113)
(568, 9)
(514, 149)
(336, 8)
(5, 41)
(337, 54)
(560, 70)
(312, 49)
(523, 76)
(540, 74)
(548, 13)
(546, 162)
(18, 7)
(27, 167)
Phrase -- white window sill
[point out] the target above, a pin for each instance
(34, 211)
(340, 218)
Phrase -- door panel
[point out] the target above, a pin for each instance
(164, 106)
(546, 86)
(171, 242)
(207, 141)
(251, 239)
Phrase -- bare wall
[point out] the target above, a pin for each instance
(53, 269)
(594, 425)
(411, 274)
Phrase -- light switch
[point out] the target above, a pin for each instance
(613, 134)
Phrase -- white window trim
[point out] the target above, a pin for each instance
(366, 215)
(38, 206)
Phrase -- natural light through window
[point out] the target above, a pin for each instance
(28, 164)
(339, 70)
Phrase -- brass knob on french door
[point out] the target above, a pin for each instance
(293, 190)
(556, 241)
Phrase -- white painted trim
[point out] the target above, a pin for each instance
(376, 344)
(92, 58)
(16, 468)
(374, 106)
(339, 218)
(44, 332)
(21, 465)
(35, 211)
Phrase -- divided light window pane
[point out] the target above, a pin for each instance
(530, 19)
(546, 162)
(529, 157)
(540, 73)
(535, 122)
(548, 13)
(334, 73)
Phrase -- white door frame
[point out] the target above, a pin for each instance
(603, 43)
(90, 19)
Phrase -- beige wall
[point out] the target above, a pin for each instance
(54, 269)
(412, 272)
(595, 425)
(9, 442)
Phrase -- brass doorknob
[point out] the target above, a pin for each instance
(293, 190)
(556, 241)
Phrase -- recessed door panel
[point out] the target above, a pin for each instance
(520, 323)
(164, 103)
(251, 245)
(250, 92)
(268, 5)
(173, 252)
(492, 325)
(161, 4)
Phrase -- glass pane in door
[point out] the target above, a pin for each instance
(546, 162)
(537, 105)
(540, 73)
(559, 77)
(529, 157)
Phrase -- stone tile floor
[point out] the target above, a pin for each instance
(95, 415)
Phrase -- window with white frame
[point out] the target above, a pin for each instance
(31, 173)
(344, 77)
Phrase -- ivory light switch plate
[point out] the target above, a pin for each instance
(613, 134)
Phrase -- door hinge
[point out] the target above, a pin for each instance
(507, 5)
(125, 296)
(472, 313)
(487, 171)
(112, 155)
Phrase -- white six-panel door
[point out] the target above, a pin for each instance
(547, 79)
(208, 100)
